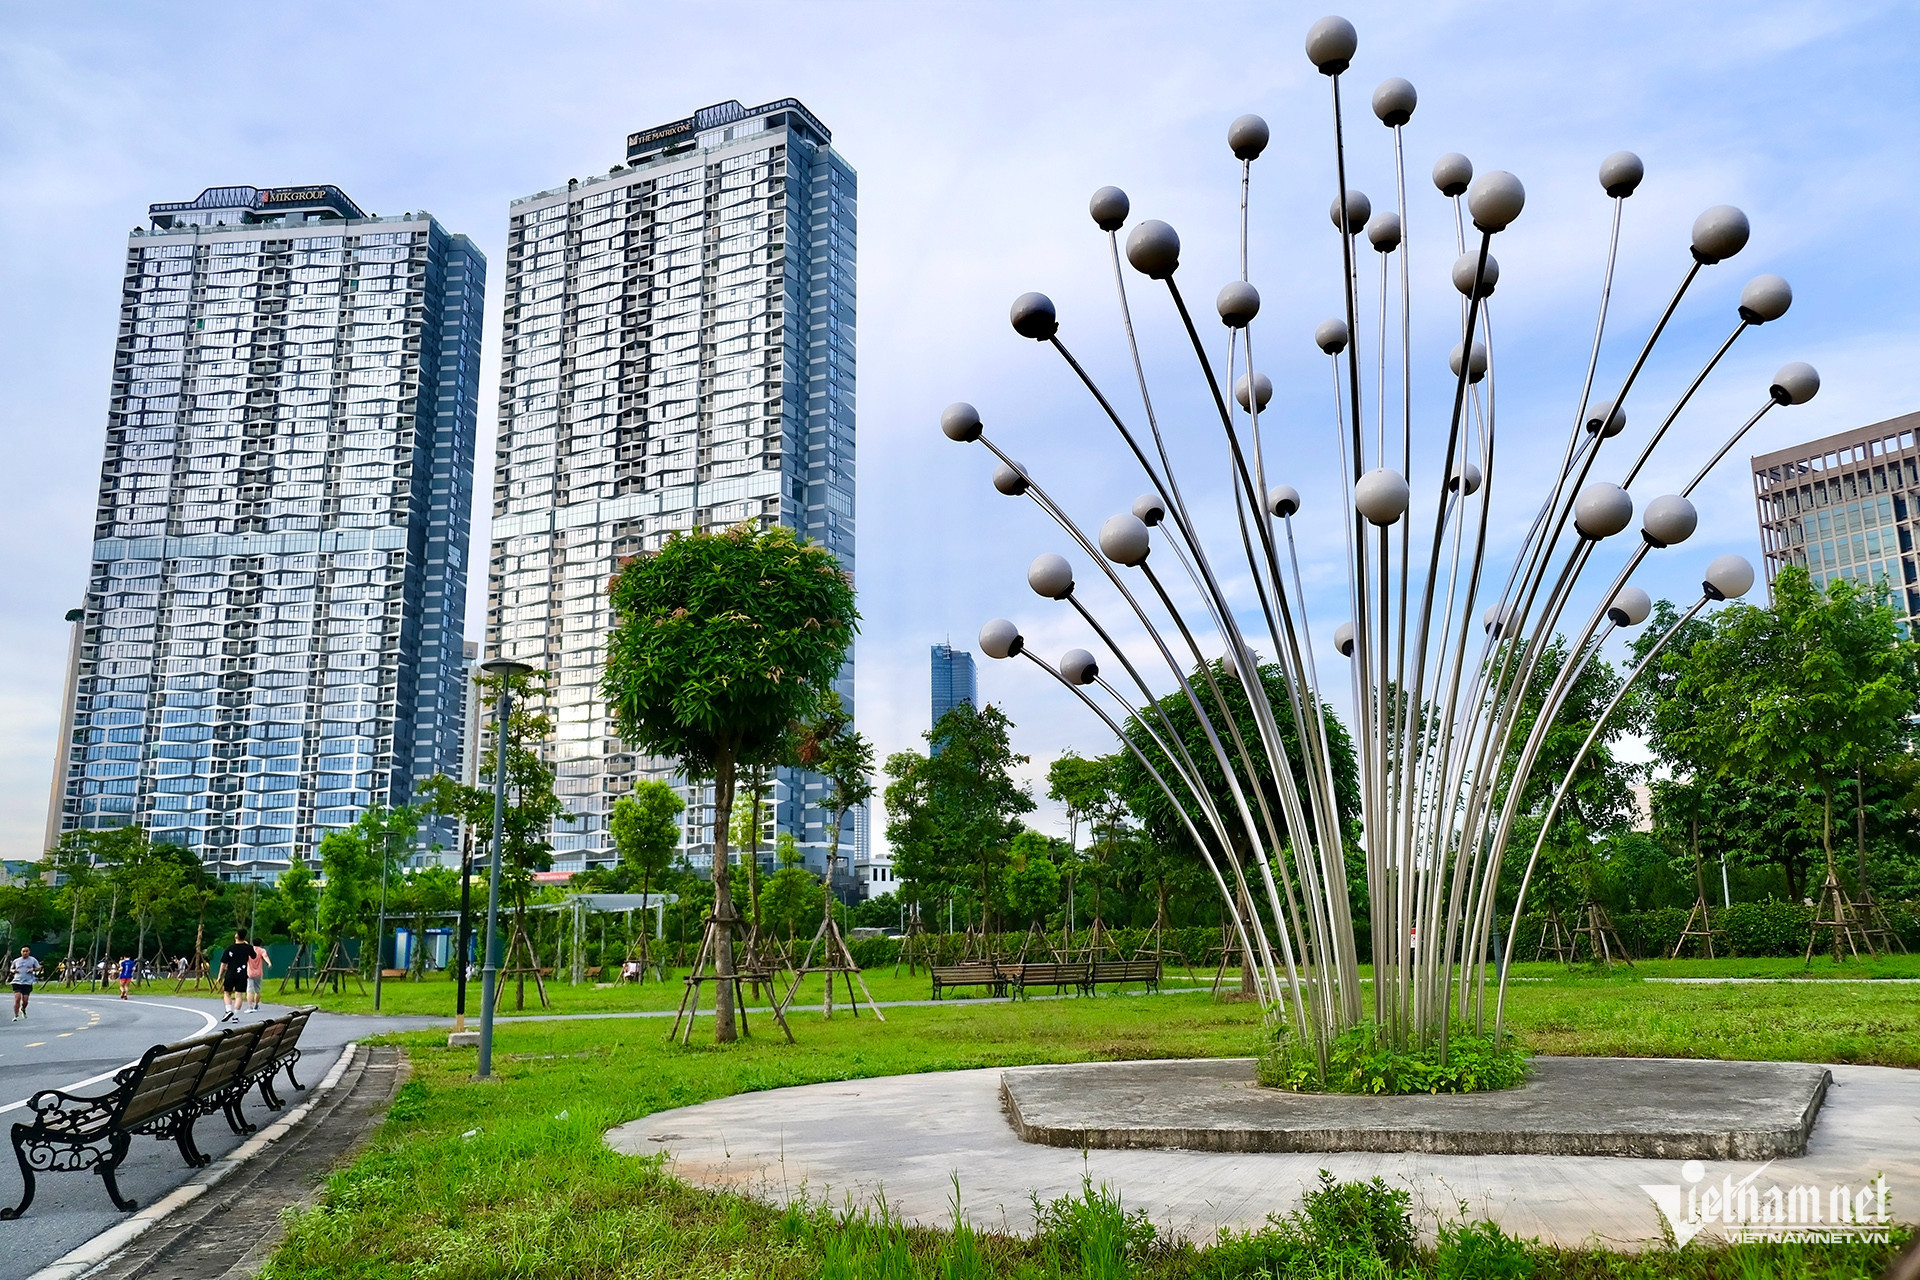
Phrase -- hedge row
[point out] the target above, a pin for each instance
(1743, 929)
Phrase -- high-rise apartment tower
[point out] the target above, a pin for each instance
(275, 604)
(679, 354)
(953, 681)
(1845, 506)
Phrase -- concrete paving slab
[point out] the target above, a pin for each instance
(1660, 1108)
(912, 1137)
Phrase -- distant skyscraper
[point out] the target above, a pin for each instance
(1844, 506)
(279, 576)
(952, 680)
(679, 354)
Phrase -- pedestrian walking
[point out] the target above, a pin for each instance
(257, 966)
(26, 971)
(233, 975)
(126, 975)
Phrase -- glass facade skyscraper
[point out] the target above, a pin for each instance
(679, 354)
(952, 681)
(275, 607)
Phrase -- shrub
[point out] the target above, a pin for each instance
(1361, 1060)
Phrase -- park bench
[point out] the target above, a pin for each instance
(1047, 973)
(974, 973)
(284, 1053)
(223, 1084)
(1120, 972)
(156, 1095)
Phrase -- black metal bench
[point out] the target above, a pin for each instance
(1120, 972)
(974, 973)
(285, 1054)
(223, 1085)
(156, 1095)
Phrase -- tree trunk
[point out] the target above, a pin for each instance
(1860, 825)
(723, 768)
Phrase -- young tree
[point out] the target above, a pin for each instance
(532, 807)
(792, 893)
(427, 892)
(1033, 876)
(1809, 690)
(951, 816)
(833, 748)
(646, 831)
(724, 641)
(352, 862)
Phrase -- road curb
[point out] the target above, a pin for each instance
(112, 1242)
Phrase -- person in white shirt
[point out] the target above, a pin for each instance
(26, 971)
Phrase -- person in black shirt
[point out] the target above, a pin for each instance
(233, 975)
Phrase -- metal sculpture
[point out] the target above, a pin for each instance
(1444, 749)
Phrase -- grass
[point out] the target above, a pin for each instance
(512, 1178)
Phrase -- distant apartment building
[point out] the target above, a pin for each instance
(1845, 506)
(274, 610)
(678, 355)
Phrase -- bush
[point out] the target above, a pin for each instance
(1349, 1230)
(1091, 1234)
(1361, 1060)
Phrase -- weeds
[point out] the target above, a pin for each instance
(1361, 1060)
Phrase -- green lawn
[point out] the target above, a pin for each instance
(512, 1179)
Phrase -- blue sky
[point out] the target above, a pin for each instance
(978, 131)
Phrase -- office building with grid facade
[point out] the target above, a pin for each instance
(1845, 507)
(276, 599)
(679, 355)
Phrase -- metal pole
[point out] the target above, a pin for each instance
(489, 972)
(380, 930)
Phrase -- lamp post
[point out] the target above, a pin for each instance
(505, 669)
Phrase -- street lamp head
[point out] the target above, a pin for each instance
(1394, 101)
(505, 667)
(1620, 174)
(1153, 248)
(1248, 136)
(1051, 576)
(1149, 509)
(1718, 233)
(1001, 639)
(1238, 303)
(960, 422)
(1728, 578)
(1109, 208)
(1331, 336)
(1261, 391)
(1630, 607)
(1796, 383)
(1358, 210)
(1283, 500)
(1343, 639)
(1032, 316)
(1464, 268)
(1451, 174)
(1077, 666)
(1331, 43)
(1669, 519)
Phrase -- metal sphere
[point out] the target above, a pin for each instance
(1383, 231)
(960, 421)
(1358, 210)
(1497, 619)
(1050, 576)
(1033, 317)
(1466, 264)
(1343, 639)
(1283, 500)
(1606, 417)
(1124, 539)
(1381, 496)
(1476, 362)
(1765, 298)
(1262, 391)
(1394, 101)
(1011, 479)
(1331, 336)
(1796, 383)
(1668, 519)
(1602, 510)
(1153, 248)
(1620, 174)
(1466, 475)
(1719, 233)
(1001, 639)
(1248, 136)
(1109, 208)
(1495, 200)
(1630, 607)
(1230, 665)
(1149, 510)
(1330, 45)
(1078, 667)
(1728, 578)
(1238, 303)
(1451, 173)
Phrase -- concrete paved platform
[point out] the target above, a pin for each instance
(911, 1136)
(1660, 1108)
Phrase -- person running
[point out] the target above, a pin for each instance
(126, 975)
(233, 975)
(26, 970)
(257, 966)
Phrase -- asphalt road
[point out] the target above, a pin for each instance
(75, 1042)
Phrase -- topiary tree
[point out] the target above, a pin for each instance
(724, 641)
